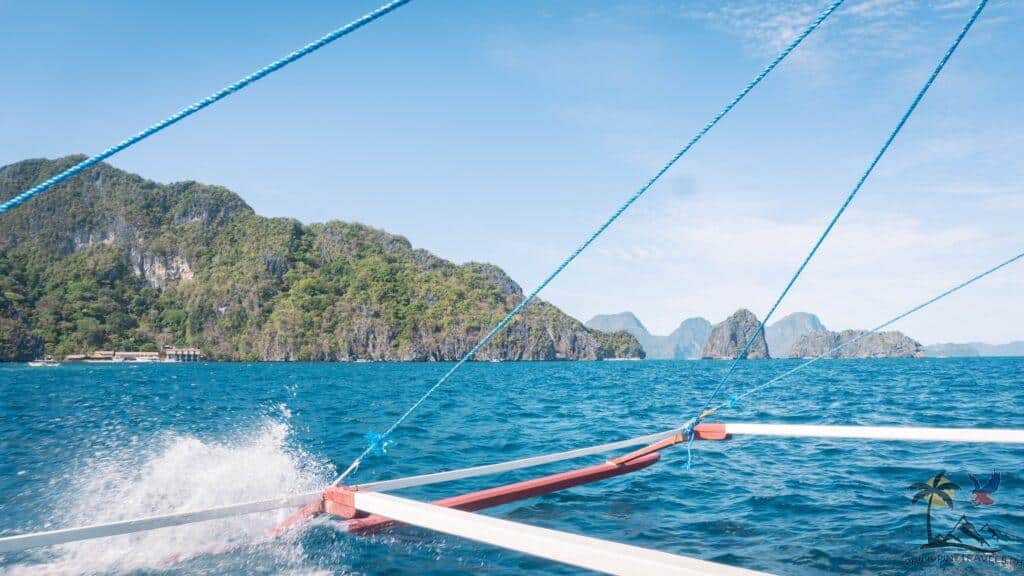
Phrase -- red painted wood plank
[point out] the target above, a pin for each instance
(518, 491)
(710, 431)
(301, 517)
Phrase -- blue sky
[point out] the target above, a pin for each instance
(506, 131)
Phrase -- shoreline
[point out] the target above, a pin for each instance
(553, 361)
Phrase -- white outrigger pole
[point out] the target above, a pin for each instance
(908, 434)
(572, 549)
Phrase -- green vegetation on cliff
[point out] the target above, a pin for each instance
(111, 260)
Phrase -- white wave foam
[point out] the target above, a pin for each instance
(179, 473)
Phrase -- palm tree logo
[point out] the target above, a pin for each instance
(938, 492)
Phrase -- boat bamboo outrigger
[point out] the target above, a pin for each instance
(368, 507)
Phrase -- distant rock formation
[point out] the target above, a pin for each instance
(688, 340)
(783, 334)
(618, 344)
(728, 338)
(969, 349)
(622, 321)
(798, 335)
(881, 345)
(684, 343)
(1009, 349)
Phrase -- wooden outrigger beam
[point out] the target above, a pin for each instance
(723, 431)
(886, 433)
(368, 511)
(78, 533)
(572, 549)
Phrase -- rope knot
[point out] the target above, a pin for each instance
(378, 443)
(690, 435)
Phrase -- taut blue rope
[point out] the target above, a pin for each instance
(223, 93)
(846, 203)
(881, 326)
(629, 202)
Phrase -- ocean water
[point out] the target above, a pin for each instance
(92, 443)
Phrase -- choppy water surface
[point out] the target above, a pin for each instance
(85, 444)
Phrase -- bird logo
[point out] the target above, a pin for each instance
(983, 492)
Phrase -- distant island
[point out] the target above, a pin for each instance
(970, 349)
(798, 335)
(111, 261)
(685, 342)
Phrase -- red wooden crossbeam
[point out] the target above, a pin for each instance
(340, 500)
(493, 496)
(305, 514)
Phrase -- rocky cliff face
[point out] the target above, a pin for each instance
(17, 342)
(689, 338)
(783, 334)
(111, 260)
(728, 338)
(619, 344)
(880, 345)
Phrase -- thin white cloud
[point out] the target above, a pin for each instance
(955, 4)
(887, 30)
(879, 9)
(771, 25)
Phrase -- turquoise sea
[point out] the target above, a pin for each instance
(91, 443)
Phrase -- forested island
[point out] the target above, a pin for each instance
(110, 260)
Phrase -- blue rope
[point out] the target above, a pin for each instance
(690, 435)
(224, 93)
(378, 445)
(629, 202)
(846, 203)
(878, 328)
